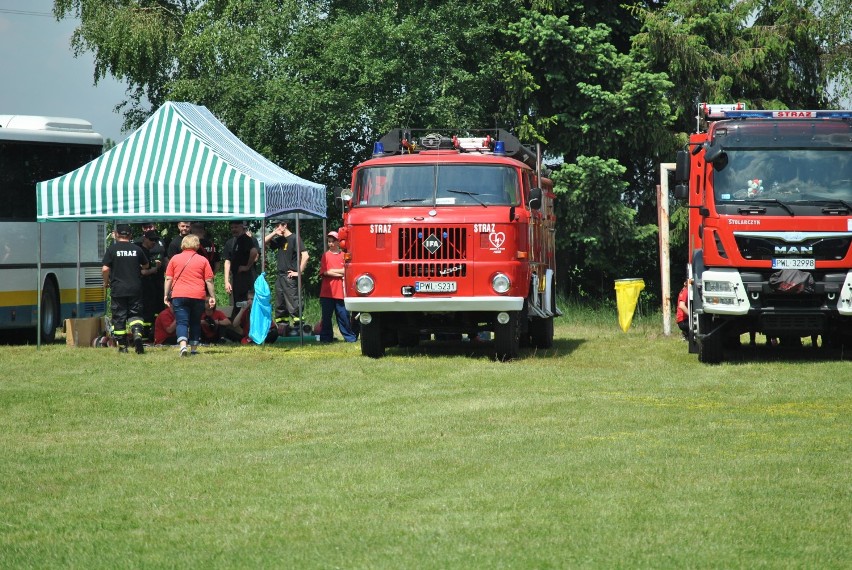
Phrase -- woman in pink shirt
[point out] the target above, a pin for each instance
(189, 279)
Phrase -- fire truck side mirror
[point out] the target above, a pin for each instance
(682, 167)
(344, 195)
(715, 154)
(681, 192)
(535, 199)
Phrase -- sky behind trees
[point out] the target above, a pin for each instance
(41, 76)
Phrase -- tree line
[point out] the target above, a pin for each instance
(609, 88)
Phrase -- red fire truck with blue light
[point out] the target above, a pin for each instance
(770, 226)
(450, 234)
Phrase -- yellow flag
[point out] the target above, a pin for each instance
(626, 295)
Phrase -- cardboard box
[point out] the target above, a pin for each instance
(81, 332)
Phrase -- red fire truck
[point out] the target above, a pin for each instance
(770, 226)
(450, 235)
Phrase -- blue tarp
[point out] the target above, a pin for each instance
(261, 311)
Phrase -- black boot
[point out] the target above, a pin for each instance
(138, 340)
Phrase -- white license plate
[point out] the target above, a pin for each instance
(792, 263)
(435, 286)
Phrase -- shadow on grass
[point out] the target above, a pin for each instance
(484, 349)
(18, 337)
(766, 353)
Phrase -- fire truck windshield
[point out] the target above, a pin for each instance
(437, 185)
(788, 176)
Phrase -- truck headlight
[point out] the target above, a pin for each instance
(723, 292)
(718, 286)
(500, 283)
(364, 284)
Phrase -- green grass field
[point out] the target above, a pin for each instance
(610, 450)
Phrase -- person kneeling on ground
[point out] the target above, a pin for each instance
(213, 322)
(239, 331)
(165, 326)
(682, 313)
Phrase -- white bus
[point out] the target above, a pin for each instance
(34, 149)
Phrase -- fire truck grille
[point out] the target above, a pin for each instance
(819, 249)
(443, 270)
(430, 243)
(794, 302)
(805, 324)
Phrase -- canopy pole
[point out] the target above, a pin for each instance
(324, 236)
(77, 312)
(299, 281)
(262, 245)
(38, 293)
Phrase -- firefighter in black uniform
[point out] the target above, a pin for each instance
(122, 272)
(292, 260)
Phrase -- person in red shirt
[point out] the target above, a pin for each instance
(331, 292)
(189, 282)
(164, 327)
(682, 314)
(213, 322)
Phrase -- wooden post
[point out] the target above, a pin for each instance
(663, 224)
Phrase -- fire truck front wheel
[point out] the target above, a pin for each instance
(507, 337)
(371, 337)
(541, 332)
(709, 347)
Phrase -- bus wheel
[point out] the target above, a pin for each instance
(371, 338)
(507, 338)
(49, 312)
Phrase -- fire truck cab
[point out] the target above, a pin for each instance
(450, 235)
(770, 226)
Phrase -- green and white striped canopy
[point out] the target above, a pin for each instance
(181, 164)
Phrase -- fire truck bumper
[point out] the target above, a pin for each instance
(432, 304)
